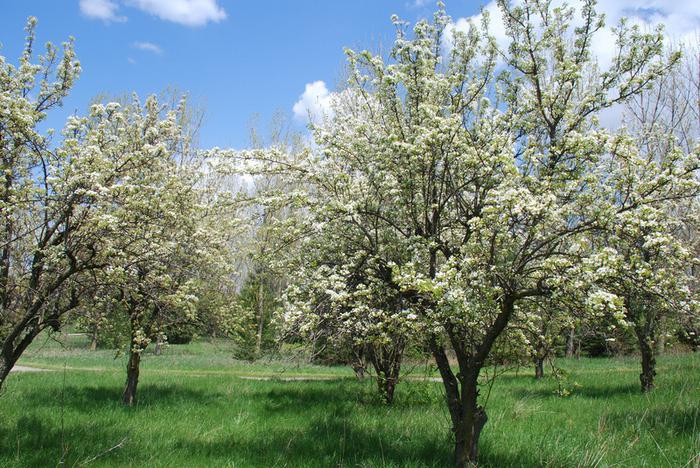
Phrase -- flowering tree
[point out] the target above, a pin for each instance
(342, 293)
(653, 243)
(166, 246)
(107, 209)
(487, 186)
(47, 238)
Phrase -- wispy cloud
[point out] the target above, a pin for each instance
(148, 47)
(105, 10)
(185, 12)
(420, 3)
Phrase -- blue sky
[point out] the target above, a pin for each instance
(240, 58)
(256, 57)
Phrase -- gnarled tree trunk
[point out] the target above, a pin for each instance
(132, 378)
(468, 418)
(462, 390)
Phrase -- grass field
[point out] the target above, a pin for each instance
(196, 410)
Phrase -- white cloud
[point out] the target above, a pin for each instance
(106, 10)
(315, 103)
(496, 25)
(186, 12)
(148, 47)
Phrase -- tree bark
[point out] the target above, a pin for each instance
(471, 422)
(661, 336)
(93, 339)
(12, 348)
(5, 368)
(646, 378)
(359, 370)
(539, 367)
(359, 365)
(468, 418)
(261, 318)
(570, 343)
(132, 378)
(386, 361)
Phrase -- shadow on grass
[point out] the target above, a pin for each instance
(32, 441)
(294, 424)
(585, 391)
(86, 399)
(678, 420)
(334, 441)
(330, 440)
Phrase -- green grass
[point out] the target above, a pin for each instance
(195, 410)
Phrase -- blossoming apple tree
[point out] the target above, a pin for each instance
(486, 171)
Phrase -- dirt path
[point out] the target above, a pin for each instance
(27, 369)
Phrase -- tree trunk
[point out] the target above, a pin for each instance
(570, 343)
(386, 361)
(159, 346)
(387, 386)
(468, 418)
(359, 370)
(661, 336)
(93, 339)
(470, 423)
(12, 348)
(539, 367)
(261, 319)
(132, 378)
(5, 368)
(578, 349)
(646, 378)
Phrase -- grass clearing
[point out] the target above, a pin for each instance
(195, 410)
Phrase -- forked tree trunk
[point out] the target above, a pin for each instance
(468, 418)
(462, 390)
(386, 383)
(386, 361)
